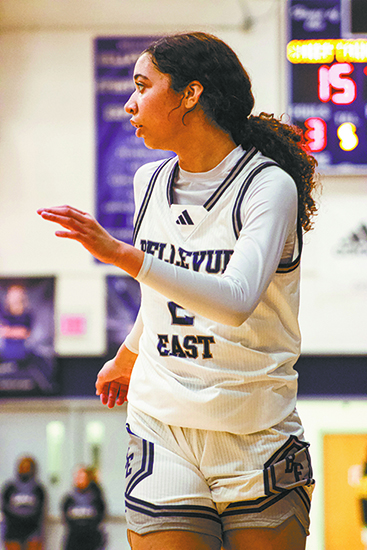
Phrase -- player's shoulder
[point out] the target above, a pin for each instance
(146, 171)
(272, 176)
(272, 187)
(142, 177)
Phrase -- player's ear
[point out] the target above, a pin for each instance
(192, 94)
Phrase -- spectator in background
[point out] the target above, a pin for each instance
(94, 482)
(22, 504)
(83, 511)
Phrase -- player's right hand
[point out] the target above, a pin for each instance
(113, 379)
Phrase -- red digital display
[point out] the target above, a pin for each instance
(334, 84)
(316, 134)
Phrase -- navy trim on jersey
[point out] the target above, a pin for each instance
(245, 159)
(291, 446)
(154, 510)
(275, 493)
(236, 214)
(171, 181)
(147, 462)
(252, 506)
(237, 221)
(211, 202)
(290, 266)
(179, 511)
(304, 497)
(148, 194)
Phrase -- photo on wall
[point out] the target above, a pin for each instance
(27, 353)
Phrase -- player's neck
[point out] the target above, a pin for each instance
(204, 148)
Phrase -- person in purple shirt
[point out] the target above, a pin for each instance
(22, 506)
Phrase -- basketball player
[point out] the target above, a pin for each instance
(217, 454)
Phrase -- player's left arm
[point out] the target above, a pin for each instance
(229, 299)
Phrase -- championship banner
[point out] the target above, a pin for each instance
(119, 152)
(27, 357)
(123, 303)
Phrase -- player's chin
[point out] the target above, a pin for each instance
(152, 142)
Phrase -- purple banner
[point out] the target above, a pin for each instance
(123, 303)
(312, 19)
(27, 356)
(119, 152)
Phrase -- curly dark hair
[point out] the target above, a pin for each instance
(228, 101)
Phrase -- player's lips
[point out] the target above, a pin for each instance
(138, 128)
(135, 124)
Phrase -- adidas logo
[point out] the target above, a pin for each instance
(184, 219)
(355, 243)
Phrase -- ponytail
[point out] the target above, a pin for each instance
(284, 143)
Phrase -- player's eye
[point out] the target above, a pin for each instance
(139, 86)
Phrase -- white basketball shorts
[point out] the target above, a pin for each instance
(210, 482)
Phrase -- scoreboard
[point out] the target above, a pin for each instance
(327, 83)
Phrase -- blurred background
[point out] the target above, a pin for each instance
(65, 74)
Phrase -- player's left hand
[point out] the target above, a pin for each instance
(82, 227)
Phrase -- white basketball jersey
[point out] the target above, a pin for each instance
(194, 372)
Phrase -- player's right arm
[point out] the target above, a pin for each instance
(113, 379)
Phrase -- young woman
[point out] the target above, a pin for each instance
(217, 454)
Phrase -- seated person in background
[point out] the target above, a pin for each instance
(23, 503)
(83, 511)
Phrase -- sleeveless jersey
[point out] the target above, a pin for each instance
(194, 372)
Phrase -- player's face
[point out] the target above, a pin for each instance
(155, 107)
